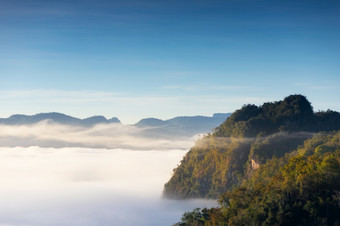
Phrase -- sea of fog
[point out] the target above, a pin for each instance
(89, 186)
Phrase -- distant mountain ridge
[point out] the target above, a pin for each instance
(19, 119)
(185, 126)
(152, 122)
(182, 125)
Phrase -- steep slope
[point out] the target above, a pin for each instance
(300, 188)
(246, 140)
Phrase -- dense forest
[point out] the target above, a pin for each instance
(275, 164)
(300, 188)
(248, 139)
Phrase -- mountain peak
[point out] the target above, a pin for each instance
(294, 113)
(19, 119)
(150, 122)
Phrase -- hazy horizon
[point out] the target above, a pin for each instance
(111, 117)
(139, 59)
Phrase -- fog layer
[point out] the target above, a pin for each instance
(77, 186)
(113, 135)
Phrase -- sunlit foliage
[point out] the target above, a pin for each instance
(300, 188)
(251, 136)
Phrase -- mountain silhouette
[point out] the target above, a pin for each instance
(57, 118)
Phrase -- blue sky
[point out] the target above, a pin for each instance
(136, 59)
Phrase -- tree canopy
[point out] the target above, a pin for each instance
(250, 137)
(300, 188)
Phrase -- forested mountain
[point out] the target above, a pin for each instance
(248, 139)
(300, 188)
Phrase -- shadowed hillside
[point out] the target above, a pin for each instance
(249, 138)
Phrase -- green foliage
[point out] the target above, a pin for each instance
(327, 121)
(211, 167)
(296, 189)
(277, 145)
(250, 137)
(292, 114)
(199, 217)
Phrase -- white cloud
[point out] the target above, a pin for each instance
(76, 96)
(47, 134)
(207, 87)
(82, 186)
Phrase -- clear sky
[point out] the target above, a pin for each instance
(151, 58)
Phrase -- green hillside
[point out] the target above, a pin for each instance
(300, 188)
(249, 138)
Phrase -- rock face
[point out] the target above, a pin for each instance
(254, 165)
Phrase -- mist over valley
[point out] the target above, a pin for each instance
(159, 113)
(61, 170)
